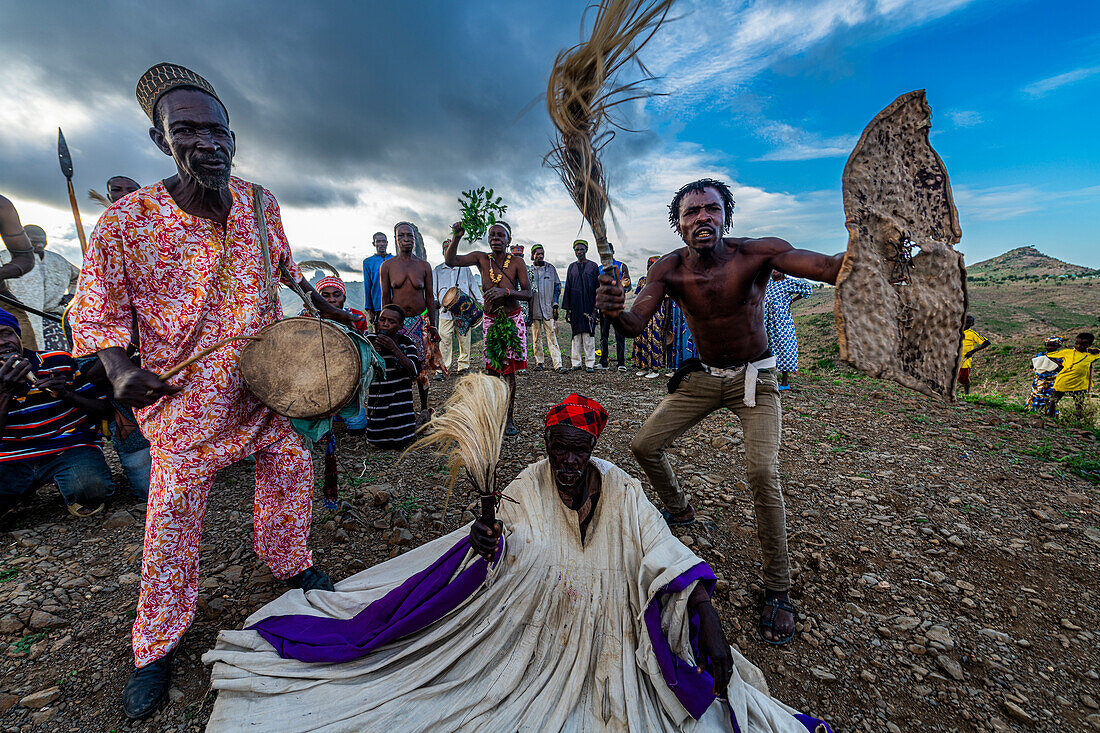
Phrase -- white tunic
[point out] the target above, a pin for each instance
(553, 641)
(43, 287)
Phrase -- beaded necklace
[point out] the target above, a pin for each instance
(493, 276)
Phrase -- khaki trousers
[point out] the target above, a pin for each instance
(699, 395)
(446, 329)
(25, 326)
(545, 334)
(584, 346)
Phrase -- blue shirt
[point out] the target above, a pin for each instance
(372, 281)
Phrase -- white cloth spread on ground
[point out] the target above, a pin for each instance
(554, 640)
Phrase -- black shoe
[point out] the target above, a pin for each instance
(540, 368)
(147, 688)
(311, 579)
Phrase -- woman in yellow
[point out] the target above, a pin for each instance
(973, 342)
(1076, 375)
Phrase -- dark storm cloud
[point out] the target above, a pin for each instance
(423, 95)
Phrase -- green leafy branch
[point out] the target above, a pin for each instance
(480, 211)
(501, 337)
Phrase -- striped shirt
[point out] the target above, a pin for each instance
(40, 424)
(391, 420)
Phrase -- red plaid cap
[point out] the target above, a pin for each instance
(580, 412)
(331, 282)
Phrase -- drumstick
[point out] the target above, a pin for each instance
(191, 360)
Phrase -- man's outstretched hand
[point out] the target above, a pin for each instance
(610, 296)
(714, 650)
(484, 539)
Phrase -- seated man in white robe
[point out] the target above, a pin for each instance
(578, 610)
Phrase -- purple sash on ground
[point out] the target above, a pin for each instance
(417, 603)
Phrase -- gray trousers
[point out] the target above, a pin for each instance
(699, 395)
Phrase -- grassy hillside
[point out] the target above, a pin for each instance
(1024, 262)
(1017, 316)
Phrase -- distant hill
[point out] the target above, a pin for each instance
(1024, 262)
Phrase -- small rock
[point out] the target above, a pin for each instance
(1089, 701)
(121, 518)
(950, 666)
(43, 716)
(40, 699)
(10, 624)
(7, 701)
(867, 676)
(996, 635)
(822, 674)
(42, 620)
(175, 694)
(1017, 712)
(906, 623)
(941, 635)
(129, 579)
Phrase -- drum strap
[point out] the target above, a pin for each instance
(261, 225)
(269, 281)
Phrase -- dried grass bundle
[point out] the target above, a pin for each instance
(581, 94)
(99, 198)
(469, 432)
(305, 265)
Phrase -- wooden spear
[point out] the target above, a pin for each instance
(66, 161)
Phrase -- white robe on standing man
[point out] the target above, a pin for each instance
(444, 279)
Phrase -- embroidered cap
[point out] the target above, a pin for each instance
(331, 282)
(581, 412)
(163, 78)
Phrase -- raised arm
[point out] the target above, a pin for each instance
(17, 242)
(802, 262)
(451, 255)
(611, 298)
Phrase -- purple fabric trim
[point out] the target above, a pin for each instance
(417, 603)
(812, 724)
(693, 689)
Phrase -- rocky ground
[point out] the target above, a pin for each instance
(945, 555)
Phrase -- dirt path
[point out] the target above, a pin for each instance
(947, 578)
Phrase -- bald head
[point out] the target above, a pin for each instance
(120, 186)
(37, 235)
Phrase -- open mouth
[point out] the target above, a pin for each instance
(704, 233)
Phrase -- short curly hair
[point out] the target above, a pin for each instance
(699, 186)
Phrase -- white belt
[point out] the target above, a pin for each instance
(751, 370)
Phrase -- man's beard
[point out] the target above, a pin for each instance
(213, 181)
(210, 180)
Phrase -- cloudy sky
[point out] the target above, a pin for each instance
(359, 114)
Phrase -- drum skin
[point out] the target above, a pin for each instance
(287, 369)
(901, 292)
(462, 307)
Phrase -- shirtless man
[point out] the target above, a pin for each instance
(22, 261)
(719, 283)
(407, 282)
(504, 281)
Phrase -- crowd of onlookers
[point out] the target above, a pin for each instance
(55, 410)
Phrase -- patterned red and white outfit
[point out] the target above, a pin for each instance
(192, 282)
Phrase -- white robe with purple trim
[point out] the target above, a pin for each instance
(554, 640)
